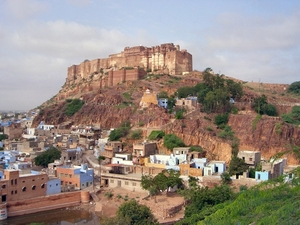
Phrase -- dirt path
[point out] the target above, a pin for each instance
(107, 207)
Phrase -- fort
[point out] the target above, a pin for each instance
(133, 63)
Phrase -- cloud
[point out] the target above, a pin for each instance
(35, 57)
(25, 9)
(251, 48)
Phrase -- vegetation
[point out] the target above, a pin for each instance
(171, 141)
(237, 165)
(261, 106)
(255, 121)
(293, 117)
(221, 119)
(271, 202)
(180, 114)
(161, 182)
(47, 157)
(294, 88)
(122, 131)
(162, 94)
(227, 133)
(171, 104)
(136, 134)
(3, 136)
(204, 201)
(156, 134)
(226, 179)
(196, 149)
(73, 106)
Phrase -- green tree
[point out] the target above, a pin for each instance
(221, 119)
(3, 136)
(156, 134)
(226, 179)
(171, 141)
(137, 214)
(294, 87)
(136, 134)
(161, 182)
(48, 156)
(122, 131)
(162, 94)
(73, 106)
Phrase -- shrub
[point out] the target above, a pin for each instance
(227, 133)
(221, 119)
(109, 194)
(136, 134)
(156, 134)
(171, 141)
(73, 106)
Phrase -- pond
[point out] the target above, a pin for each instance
(65, 216)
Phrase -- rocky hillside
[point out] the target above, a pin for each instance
(110, 106)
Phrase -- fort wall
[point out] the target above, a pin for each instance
(166, 56)
(44, 203)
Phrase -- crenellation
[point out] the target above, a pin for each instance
(167, 57)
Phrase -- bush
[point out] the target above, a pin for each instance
(136, 134)
(171, 141)
(226, 179)
(156, 134)
(227, 133)
(221, 119)
(73, 106)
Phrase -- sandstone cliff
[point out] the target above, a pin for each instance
(110, 106)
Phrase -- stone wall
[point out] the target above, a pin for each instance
(166, 56)
(33, 205)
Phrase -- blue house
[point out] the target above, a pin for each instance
(212, 167)
(53, 186)
(163, 102)
(262, 175)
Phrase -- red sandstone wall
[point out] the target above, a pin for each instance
(44, 203)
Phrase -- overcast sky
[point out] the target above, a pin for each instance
(251, 40)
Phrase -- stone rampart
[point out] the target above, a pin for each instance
(44, 203)
(166, 56)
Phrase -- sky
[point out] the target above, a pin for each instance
(251, 40)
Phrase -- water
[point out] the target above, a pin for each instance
(66, 216)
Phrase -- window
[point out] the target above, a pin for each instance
(111, 181)
(23, 181)
(126, 182)
(33, 187)
(33, 180)
(23, 189)
(16, 191)
(16, 182)
(70, 175)
(258, 176)
(43, 186)
(56, 184)
(12, 182)
(133, 184)
(3, 186)
(12, 192)
(250, 159)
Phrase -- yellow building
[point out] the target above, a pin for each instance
(148, 98)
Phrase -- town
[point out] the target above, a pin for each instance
(90, 162)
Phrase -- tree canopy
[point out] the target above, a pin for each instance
(261, 106)
(136, 213)
(122, 131)
(171, 141)
(294, 87)
(293, 117)
(73, 105)
(48, 156)
(162, 181)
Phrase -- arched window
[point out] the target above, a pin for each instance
(23, 188)
(33, 187)
(43, 186)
